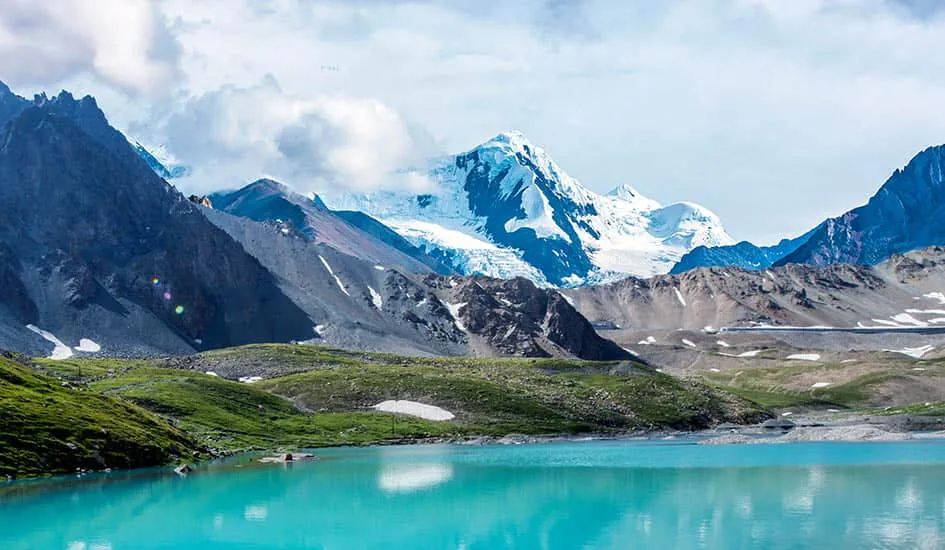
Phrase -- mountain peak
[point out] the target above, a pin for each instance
(513, 141)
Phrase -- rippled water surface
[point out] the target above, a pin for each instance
(591, 495)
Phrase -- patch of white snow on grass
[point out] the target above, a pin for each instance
(332, 273)
(412, 408)
(805, 356)
(913, 352)
(454, 311)
(679, 296)
(211, 373)
(376, 298)
(60, 350)
(751, 353)
(724, 344)
(820, 384)
(689, 343)
(88, 346)
(250, 379)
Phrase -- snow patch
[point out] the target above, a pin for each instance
(454, 311)
(539, 216)
(648, 341)
(60, 350)
(929, 311)
(319, 329)
(88, 346)
(804, 357)
(380, 267)
(714, 370)
(250, 379)
(820, 384)
(906, 318)
(679, 296)
(724, 344)
(412, 408)
(332, 273)
(940, 296)
(376, 298)
(913, 352)
(751, 353)
(689, 343)
(211, 373)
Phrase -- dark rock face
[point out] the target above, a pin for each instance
(87, 224)
(904, 215)
(202, 200)
(517, 318)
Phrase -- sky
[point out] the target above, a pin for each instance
(775, 114)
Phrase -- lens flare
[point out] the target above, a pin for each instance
(179, 310)
(167, 295)
(156, 282)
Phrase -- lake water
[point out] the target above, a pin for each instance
(591, 495)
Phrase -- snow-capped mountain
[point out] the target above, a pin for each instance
(506, 209)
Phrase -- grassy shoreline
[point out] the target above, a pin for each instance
(313, 397)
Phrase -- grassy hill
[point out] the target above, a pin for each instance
(48, 426)
(312, 396)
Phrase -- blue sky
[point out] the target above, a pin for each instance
(772, 113)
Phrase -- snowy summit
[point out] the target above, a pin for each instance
(506, 209)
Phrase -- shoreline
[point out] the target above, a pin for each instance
(802, 430)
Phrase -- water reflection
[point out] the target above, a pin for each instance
(405, 478)
(553, 497)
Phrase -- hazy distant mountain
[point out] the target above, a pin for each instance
(266, 200)
(903, 291)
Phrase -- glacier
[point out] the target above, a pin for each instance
(506, 209)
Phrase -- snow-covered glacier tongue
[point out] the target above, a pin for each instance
(506, 209)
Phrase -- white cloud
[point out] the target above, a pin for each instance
(320, 144)
(773, 113)
(125, 43)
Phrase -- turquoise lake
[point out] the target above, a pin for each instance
(587, 495)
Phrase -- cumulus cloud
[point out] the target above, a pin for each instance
(126, 43)
(321, 144)
(773, 113)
